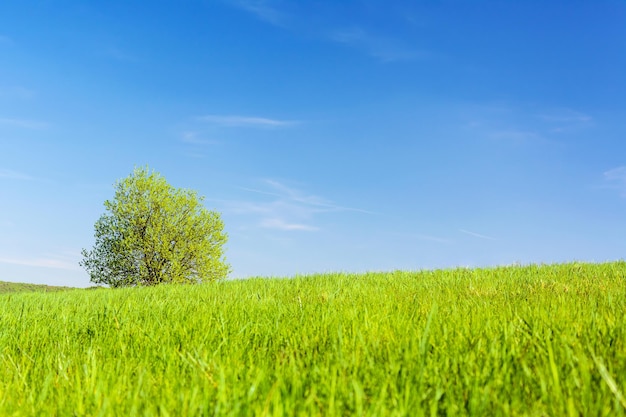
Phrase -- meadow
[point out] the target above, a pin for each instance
(536, 340)
(6, 287)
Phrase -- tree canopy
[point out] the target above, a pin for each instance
(154, 233)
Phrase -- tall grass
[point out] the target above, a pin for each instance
(533, 340)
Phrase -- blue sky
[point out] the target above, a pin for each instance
(331, 135)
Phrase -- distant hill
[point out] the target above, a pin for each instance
(9, 287)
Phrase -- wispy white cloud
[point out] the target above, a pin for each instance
(386, 49)
(565, 120)
(5, 40)
(42, 263)
(245, 121)
(247, 207)
(318, 25)
(17, 92)
(262, 9)
(522, 124)
(432, 238)
(194, 143)
(421, 236)
(618, 174)
(275, 214)
(23, 123)
(280, 224)
(617, 178)
(199, 132)
(515, 136)
(284, 192)
(478, 235)
(195, 138)
(502, 122)
(565, 115)
(14, 175)
(286, 208)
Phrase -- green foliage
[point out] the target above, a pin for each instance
(515, 341)
(154, 233)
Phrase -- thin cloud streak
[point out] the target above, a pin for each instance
(617, 177)
(262, 10)
(5, 40)
(280, 224)
(23, 123)
(277, 214)
(519, 125)
(618, 173)
(7, 224)
(297, 196)
(245, 121)
(432, 238)
(478, 235)
(289, 209)
(567, 116)
(566, 120)
(17, 92)
(242, 207)
(424, 237)
(515, 136)
(291, 194)
(42, 263)
(193, 138)
(383, 48)
(9, 174)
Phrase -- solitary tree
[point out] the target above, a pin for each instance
(154, 233)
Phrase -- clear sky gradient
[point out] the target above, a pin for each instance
(331, 135)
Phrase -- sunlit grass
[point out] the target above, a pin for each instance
(533, 340)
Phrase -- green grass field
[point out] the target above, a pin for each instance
(532, 340)
(9, 287)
